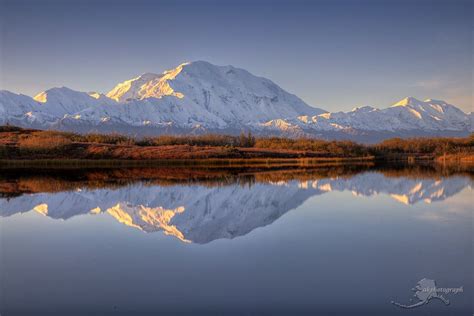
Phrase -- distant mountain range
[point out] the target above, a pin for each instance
(199, 97)
(203, 213)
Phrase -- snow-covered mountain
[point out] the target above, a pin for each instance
(202, 213)
(407, 114)
(201, 97)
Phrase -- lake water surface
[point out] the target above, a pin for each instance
(328, 241)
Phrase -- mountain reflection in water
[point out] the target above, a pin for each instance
(200, 206)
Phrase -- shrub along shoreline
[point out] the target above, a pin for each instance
(28, 144)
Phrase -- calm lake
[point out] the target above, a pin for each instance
(335, 240)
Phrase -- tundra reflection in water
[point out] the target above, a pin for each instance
(216, 206)
(333, 240)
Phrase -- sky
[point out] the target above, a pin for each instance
(333, 54)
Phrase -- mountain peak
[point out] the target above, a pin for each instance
(364, 109)
(223, 98)
(146, 76)
(147, 85)
(408, 101)
(95, 95)
(196, 64)
(43, 97)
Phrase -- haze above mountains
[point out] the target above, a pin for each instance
(199, 97)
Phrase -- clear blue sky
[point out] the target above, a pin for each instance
(333, 54)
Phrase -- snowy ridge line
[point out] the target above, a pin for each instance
(199, 97)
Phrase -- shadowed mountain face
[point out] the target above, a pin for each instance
(227, 206)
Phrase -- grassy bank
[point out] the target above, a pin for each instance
(47, 148)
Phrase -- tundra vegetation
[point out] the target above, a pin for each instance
(18, 143)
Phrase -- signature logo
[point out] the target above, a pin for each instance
(426, 291)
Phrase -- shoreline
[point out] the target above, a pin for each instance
(211, 162)
(54, 179)
(465, 163)
(35, 149)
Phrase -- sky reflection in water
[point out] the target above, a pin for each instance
(275, 243)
